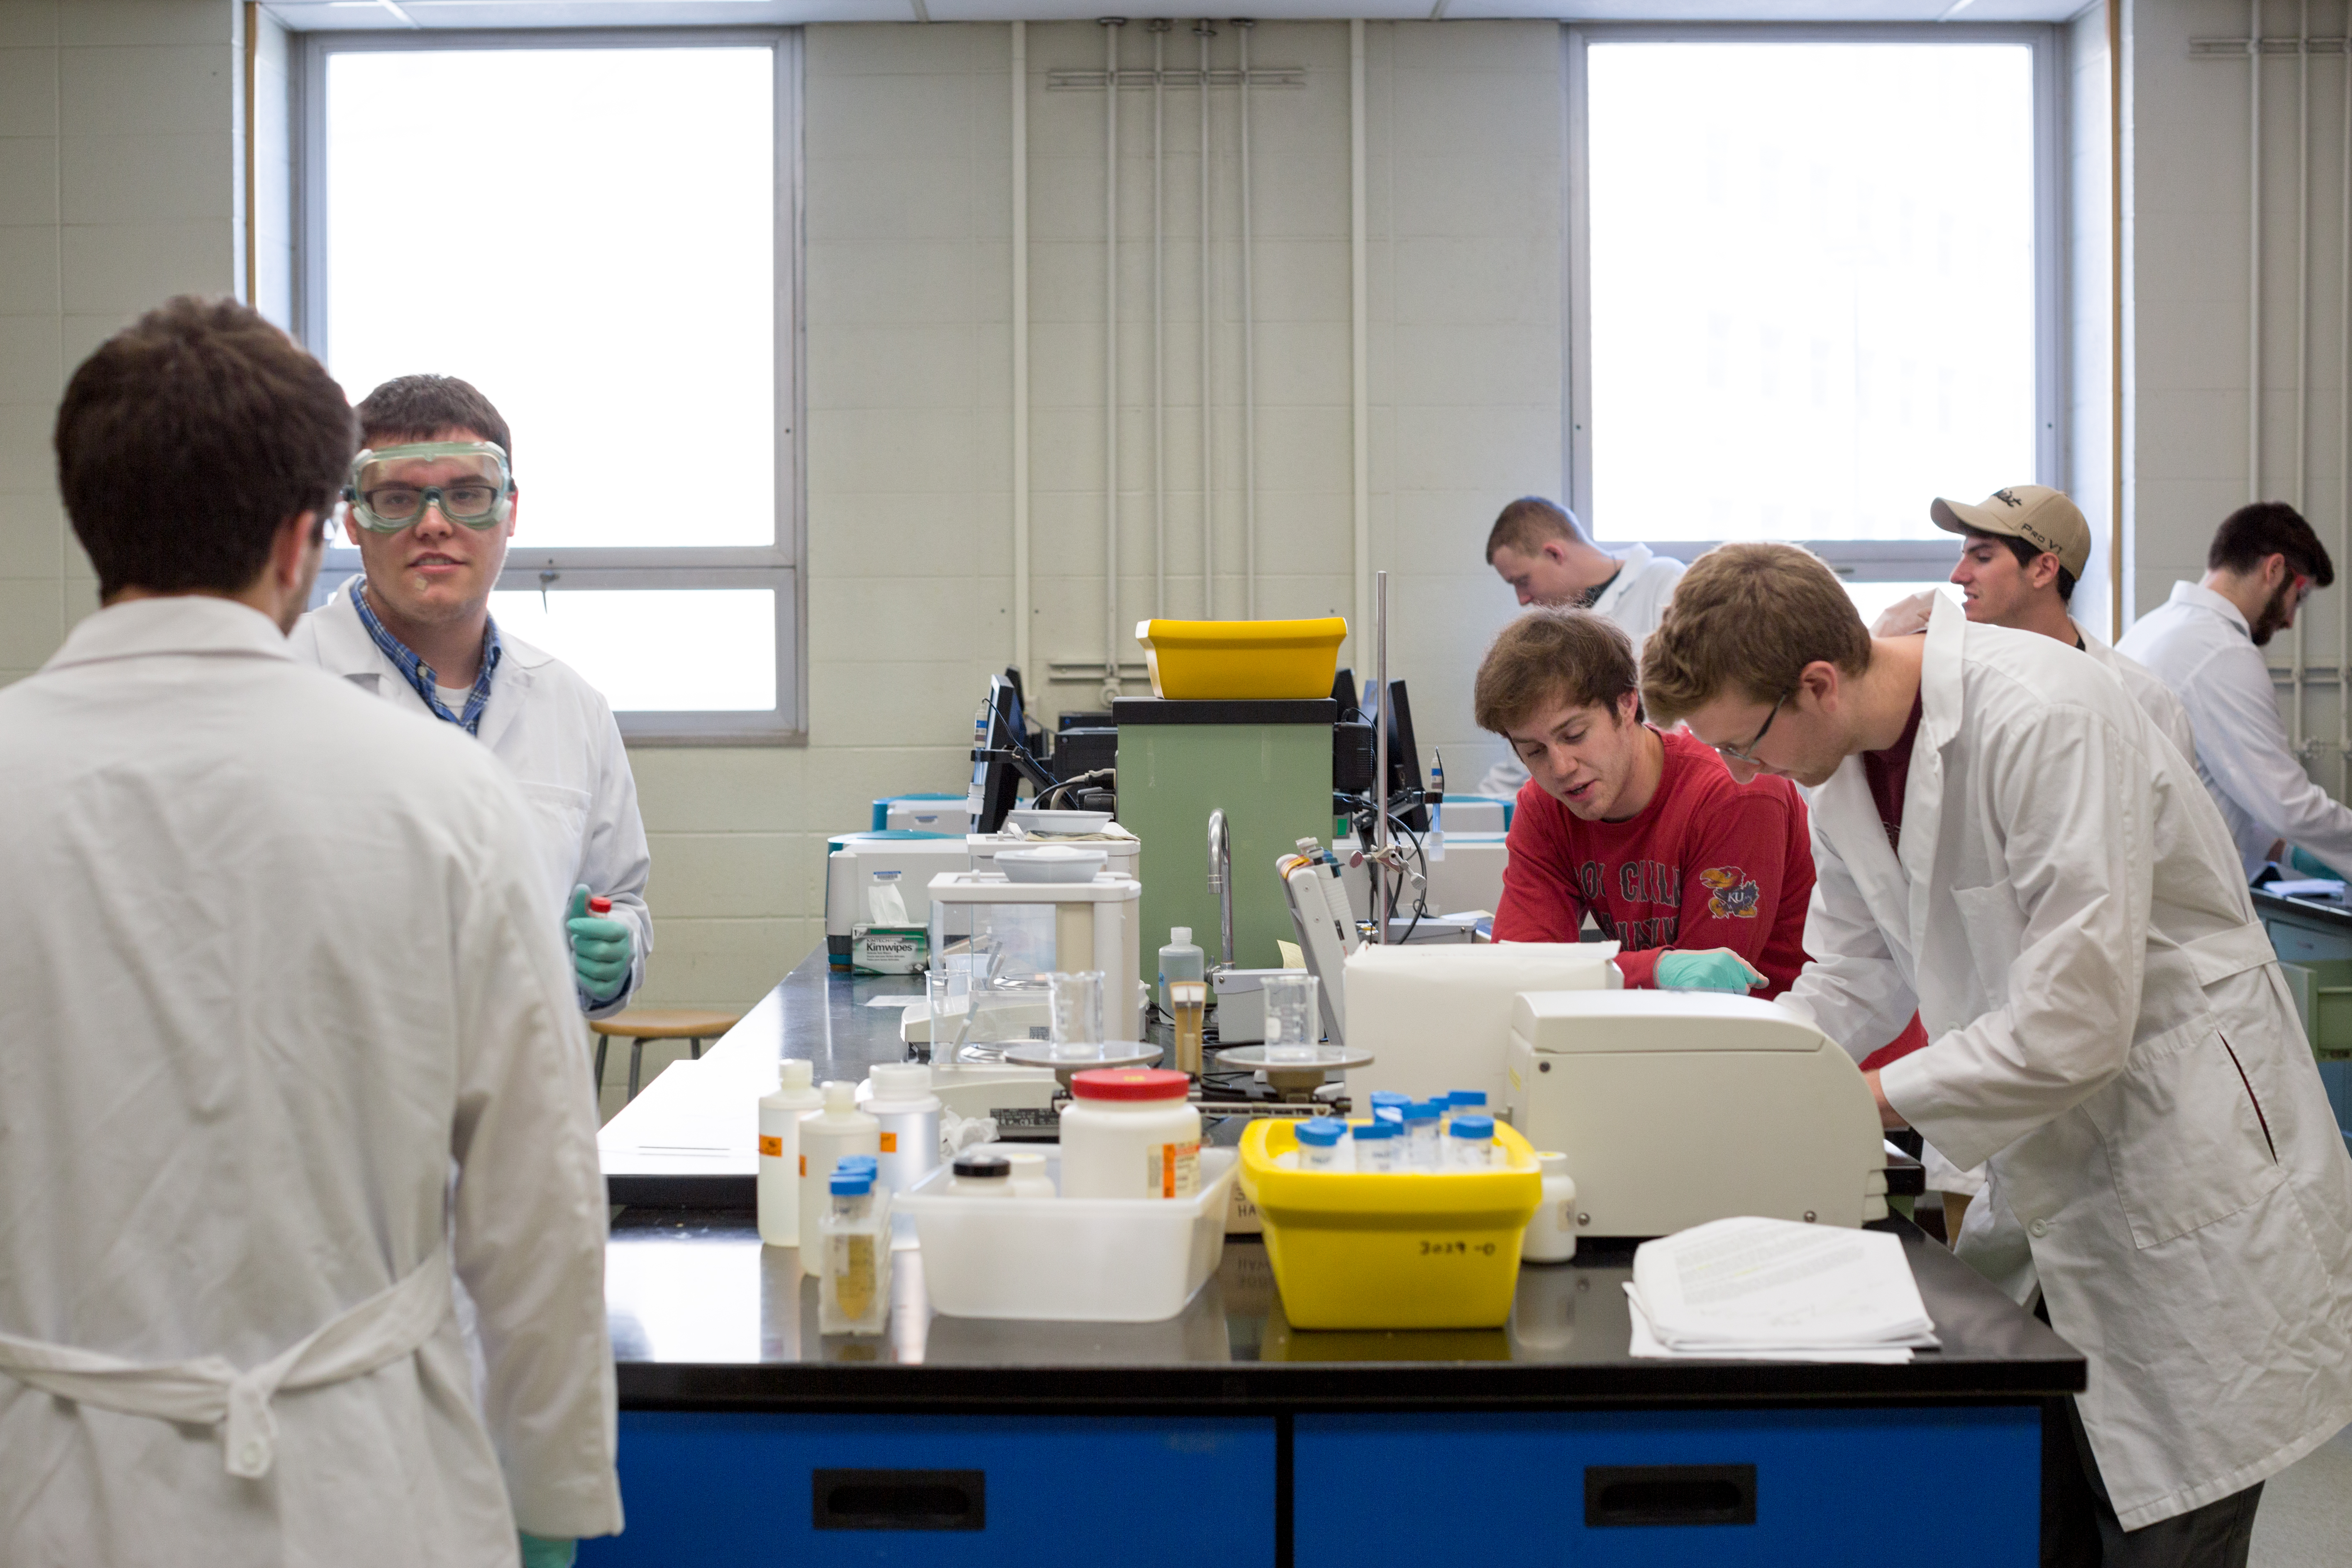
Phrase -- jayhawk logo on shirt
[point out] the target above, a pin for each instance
(1734, 895)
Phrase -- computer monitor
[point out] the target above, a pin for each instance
(1406, 781)
(997, 731)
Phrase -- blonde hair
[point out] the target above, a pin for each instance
(1529, 524)
(1550, 655)
(1749, 618)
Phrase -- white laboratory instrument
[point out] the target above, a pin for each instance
(1675, 1108)
(863, 869)
(950, 814)
(1319, 912)
(1125, 855)
(1437, 1017)
(1035, 929)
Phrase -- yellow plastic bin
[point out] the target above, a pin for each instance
(1200, 660)
(1419, 1250)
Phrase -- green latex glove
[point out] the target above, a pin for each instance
(1715, 969)
(537, 1552)
(2311, 865)
(601, 950)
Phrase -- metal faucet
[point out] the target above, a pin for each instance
(1221, 880)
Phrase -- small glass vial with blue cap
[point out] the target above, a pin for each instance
(854, 1289)
(1323, 1145)
(1379, 1144)
(1470, 1144)
(1465, 1102)
(1423, 1151)
(1389, 1106)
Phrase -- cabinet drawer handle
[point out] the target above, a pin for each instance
(899, 1500)
(1669, 1494)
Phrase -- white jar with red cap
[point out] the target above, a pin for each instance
(1128, 1132)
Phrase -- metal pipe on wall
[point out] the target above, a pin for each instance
(1110, 26)
(2254, 253)
(1249, 354)
(1021, 612)
(2343, 450)
(2301, 322)
(1359, 326)
(1203, 31)
(1159, 316)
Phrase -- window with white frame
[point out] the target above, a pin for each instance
(1813, 285)
(598, 231)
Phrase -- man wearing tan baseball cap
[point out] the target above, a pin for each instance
(2022, 548)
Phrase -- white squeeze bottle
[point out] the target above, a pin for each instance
(839, 1129)
(902, 1102)
(780, 1109)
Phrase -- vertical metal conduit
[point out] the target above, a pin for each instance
(2302, 324)
(2344, 448)
(1249, 355)
(2254, 252)
(1159, 316)
(1110, 26)
(1021, 614)
(1203, 31)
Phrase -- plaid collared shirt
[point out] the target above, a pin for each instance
(420, 674)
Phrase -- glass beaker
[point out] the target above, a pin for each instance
(1294, 1028)
(1078, 1014)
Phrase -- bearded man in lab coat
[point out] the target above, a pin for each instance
(2206, 643)
(1542, 551)
(291, 1042)
(414, 629)
(2003, 840)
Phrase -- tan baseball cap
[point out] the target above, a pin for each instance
(2046, 519)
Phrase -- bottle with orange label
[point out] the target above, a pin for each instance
(780, 1109)
(827, 1138)
(898, 1096)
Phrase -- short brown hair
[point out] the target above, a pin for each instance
(1750, 616)
(2254, 533)
(188, 439)
(1554, 656)
(419, 407)
(1531, 522)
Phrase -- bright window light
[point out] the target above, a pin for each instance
(656, 649)
(588, 236)
(1811, 284)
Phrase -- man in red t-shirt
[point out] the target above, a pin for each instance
(1703, 884)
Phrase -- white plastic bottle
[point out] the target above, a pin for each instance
(980, 1174)
(1551, 1235)
(1127, 1133)
(1029, 1178)
(839, 1129)
(780, 1109)
(900, 1098)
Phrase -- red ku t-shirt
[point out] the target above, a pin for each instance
(1707, 864)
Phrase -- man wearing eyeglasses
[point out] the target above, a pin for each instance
(2019, 854)
(2205, 643)
(431, 505)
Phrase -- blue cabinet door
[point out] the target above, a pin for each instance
(1815, 1487)
(746, 1490)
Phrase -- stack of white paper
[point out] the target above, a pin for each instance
(1771, 1289)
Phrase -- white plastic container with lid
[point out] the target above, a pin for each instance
(1551, 1235)
(980, 1174)
(899, 1097)
(1031, 1179)
(1128, 1134)
(837, 1130)
(780, 1109)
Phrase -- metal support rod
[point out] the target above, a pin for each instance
(1359, 328)
(1110, 26)
(1021, 613)
(2254, 252)
(1249, 355)
(2343, 443)
(1203, 31)
(1380, 756)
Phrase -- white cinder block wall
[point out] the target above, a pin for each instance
(2188, 260)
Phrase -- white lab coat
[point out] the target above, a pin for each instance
(286, 1024)
(1636, 600)
(2199, 643)
(2109, 1030)
(556, 734)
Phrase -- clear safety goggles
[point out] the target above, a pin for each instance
(468, 480)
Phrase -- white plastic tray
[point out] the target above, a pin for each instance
(1078, 1260)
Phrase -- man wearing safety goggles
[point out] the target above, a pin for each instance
(430, 504)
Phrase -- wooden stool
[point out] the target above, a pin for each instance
(639, 1024)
